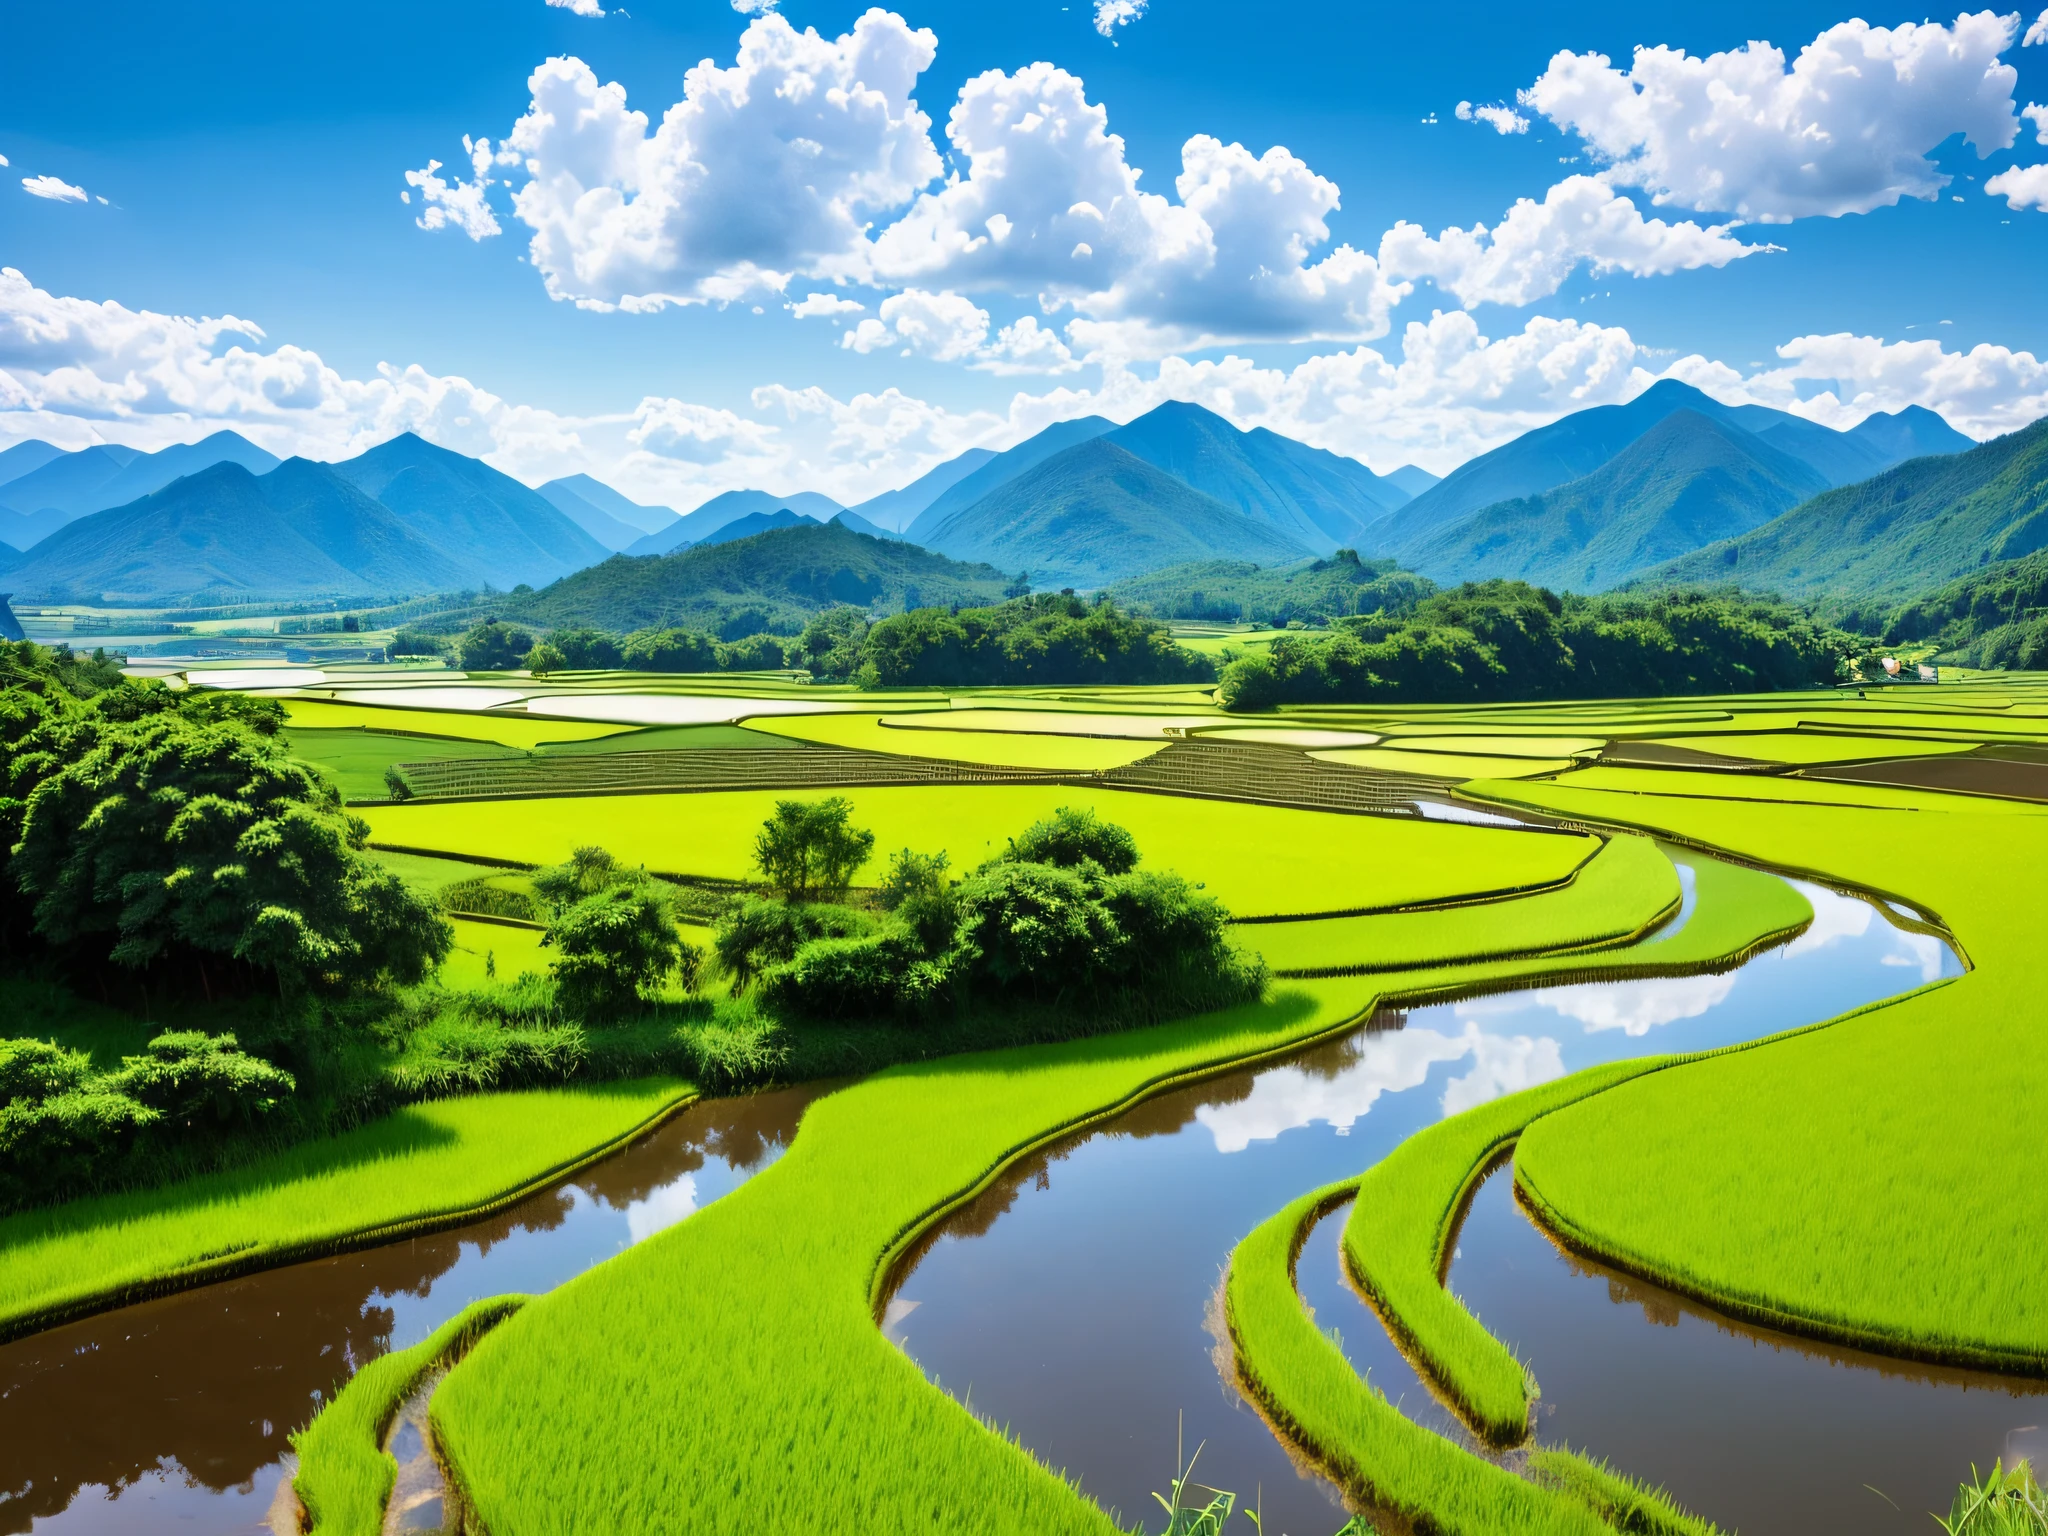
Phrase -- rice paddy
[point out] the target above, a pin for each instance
(1865, 1182)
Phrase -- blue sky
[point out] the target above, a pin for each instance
(252, 160)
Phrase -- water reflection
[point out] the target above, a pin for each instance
(175, 1412)
(1069, 1303)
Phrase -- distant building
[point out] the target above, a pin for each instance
(10, 626)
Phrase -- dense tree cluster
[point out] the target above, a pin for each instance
(1312, 592)
(1500, 640)
(1063, 917)
(1045, 638)
(493, 646)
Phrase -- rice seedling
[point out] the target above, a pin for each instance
(1258, 860)
(345, 1474)
(2001, 1503)
(426, 1165)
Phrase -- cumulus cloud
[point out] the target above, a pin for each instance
(771, 167)
(578, 7)
(1502, 120)
(949, 328)
(1111, 14)
(695, 434)
(2037, 114)
(824, 304)
(458, 204)
(2038, 32)
(1049, 204)
(53, 189)
(1529, 254)
(1845, 129)
(755, 7)
(2022, 186)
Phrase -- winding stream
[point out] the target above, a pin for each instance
(1073, 1303)
(173, 1415)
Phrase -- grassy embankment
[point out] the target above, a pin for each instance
(428, 1165)
(345, 1475)
(1858, 1183)
(1398, 1238)
(786, 1278)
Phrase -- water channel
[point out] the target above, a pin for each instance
(1074, 1304)
(173, 1415)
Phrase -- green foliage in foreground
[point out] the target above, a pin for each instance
(1507, 640)
(1820, 1182)
(2005, 1503)
(423, 1166)
(1047, 638)
(345, 1475)
(1314, 592)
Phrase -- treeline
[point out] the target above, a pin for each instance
(1312, 592)
(493, 646)
(1053, 638)
(1995, 618)
(1507, 640)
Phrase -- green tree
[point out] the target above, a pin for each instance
(586, 872)
(615, 947)
(671, 650)
(809, 850)
(163, 835)
(587, 649)
(493, 647)
(544, 658)
(1070, 837)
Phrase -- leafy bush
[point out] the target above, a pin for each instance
(616, 946)
(587, 649)
(671, 650)
(1049, 638)
(199, 1080)
(587, 871)
(1070, 837)
(413, 642)
(754, 934)
(484, 897)
(809, 850)
(871, 975)
(544, 658)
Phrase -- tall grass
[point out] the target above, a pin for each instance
(2001, 1504)
(345, 1475)
(1857, 1183)
(425, 1166)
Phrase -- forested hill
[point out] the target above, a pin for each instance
(1234, 591)
(776, 581)
(1883, 540)
(1996, 617)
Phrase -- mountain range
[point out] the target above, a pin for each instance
(729, 507)
(47, 489)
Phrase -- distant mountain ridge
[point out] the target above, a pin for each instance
(1687, 482)
(300, 531)
(775, 580)
(1096, 513)
(728, 507)
(595, 493)
(68, 486)
(896, 510)
(1001, 470)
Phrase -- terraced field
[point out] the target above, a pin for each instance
(1853, 1181)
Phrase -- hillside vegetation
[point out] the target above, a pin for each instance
(1865, 547)
(1233, 591)
(773, 582)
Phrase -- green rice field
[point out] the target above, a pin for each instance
(1864, 1180)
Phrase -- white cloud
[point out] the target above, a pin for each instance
(1027, 347)
(458, 203)
(1050, 205)
(51, 188)
(1503, 1064)
(695, 434)
(1530, 253)
(949, 328)
(755, 7)
(3, 160)
(772, 167)
(2022, 186)
(825, 304)
(1985, 391)
(1635, 1008)
(2038, 32)
(2037, 114)
(1846, 129)
(578, 7)
(1502, 120)
(1111, 14)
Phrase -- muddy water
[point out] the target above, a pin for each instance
(1073, 1304)
(173, 1415)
